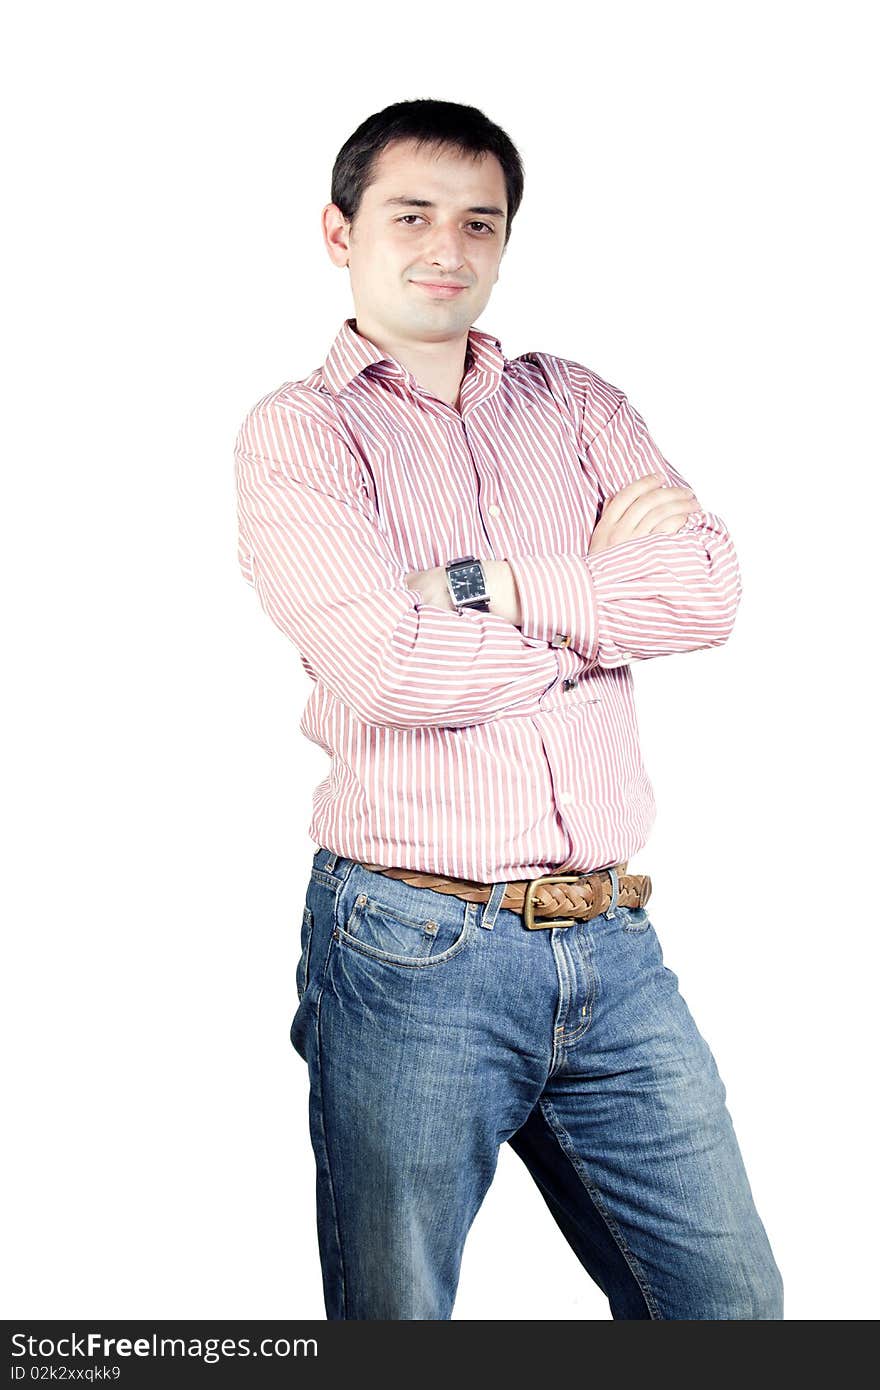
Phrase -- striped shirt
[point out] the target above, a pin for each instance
(461, 744)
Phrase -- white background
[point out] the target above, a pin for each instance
(697, 228)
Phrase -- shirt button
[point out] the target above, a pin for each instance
(494, 510)
(569, 682)
(566, 798)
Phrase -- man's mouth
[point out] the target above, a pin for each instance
(440, 289)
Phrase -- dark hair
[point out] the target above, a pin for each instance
(444, 124)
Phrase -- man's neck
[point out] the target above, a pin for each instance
(438, 367)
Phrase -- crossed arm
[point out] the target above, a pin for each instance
(645, 507)
(402, 663)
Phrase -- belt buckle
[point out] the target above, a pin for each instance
(528, 907)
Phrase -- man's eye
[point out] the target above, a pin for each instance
(415, 216)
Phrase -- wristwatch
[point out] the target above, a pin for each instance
(466, 581)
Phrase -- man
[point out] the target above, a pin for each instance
(468, 552)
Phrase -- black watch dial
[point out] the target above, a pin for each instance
(466, 582)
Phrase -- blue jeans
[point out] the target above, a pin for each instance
(435, 1030)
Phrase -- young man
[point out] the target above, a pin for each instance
(468, 552)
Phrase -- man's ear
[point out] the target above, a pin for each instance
(336, 230)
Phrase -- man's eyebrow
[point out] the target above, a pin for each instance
(425, 203)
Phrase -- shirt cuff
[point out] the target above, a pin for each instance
(557, 601)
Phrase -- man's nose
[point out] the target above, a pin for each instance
(446, 247)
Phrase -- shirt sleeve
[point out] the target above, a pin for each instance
(310, 544)
(648, 596)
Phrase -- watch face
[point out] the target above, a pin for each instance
(467, 582)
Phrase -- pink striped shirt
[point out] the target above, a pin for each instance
(459, 743)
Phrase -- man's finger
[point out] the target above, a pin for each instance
(617, 504)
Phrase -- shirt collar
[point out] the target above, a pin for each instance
(352, 353)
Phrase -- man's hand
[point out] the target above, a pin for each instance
(647, 507)
(432, 588)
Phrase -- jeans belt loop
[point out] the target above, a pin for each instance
(492, 908)
(615, 890)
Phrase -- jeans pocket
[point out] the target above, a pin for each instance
(388, 930)
(635, 920)
(391, 928)
(302, 969)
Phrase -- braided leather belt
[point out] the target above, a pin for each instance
(579, 896)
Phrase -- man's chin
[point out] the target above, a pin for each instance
(443, 317)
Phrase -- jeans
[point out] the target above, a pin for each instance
(435, 1030)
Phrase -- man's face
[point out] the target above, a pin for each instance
(394, 245)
